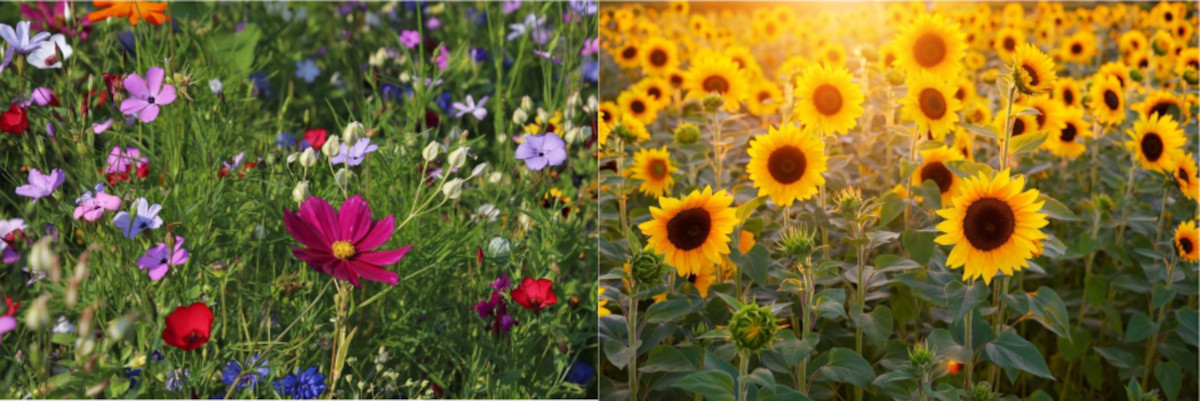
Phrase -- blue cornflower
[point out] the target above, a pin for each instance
(591, 71)
(132, 375)
(395, 93)
(581, 373)
(175, 379)
(479, 54)
(262, 86)
(307, 70)
(156, 355)
(444, 100)
(247, 374)
(305, 385)
(286, 140)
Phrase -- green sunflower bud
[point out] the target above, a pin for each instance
(712, 102)
(1136, 75)
(849, 202)
(982, 391)
(753, 328)
(895, 76)
(1103, 202)
(623, 132)
(647, 269)
(1191, 76)
(797, 242)
(921, 357)
(687, 134)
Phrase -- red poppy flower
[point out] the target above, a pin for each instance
(316, 137)
(188, 327)
(14, 121)
(534, 294)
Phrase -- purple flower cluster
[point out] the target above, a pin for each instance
(495, 307)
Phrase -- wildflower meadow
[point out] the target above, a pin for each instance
(298, 200)
(894, 200)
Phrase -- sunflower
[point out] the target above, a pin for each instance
(828, 99)
(693, 231)
(994, 225)
(628, 56)
(978, 113)
(1132, 40)
(888, 54)
(1079, 48)
(1067, 141)
(1139, 60)
(1158, 141)
(764, 99)
(1186, 241)
(786, 164)
(1107, 100)
(1120, 71)
(653, 167)
(965, 90)
(1006, 42)
(931, 104)
(1049, 117)
(1066, 90)
(832, 54)
(603, 129)
(609, 112)
(1034, 69)
(656, 89)
(933, 167)
(1186, 176)
(703, 278)
(745, 61)
(715, 74)
(1022, 123)
(632, 127)
(638, 105)
(932, 43)
(791, 69)
(1162, 103)
(964, 143)
(676, 78)
(1183, 31)
(602, 303)
(658, 56)
(1188, 59)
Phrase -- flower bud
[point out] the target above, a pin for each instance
(458, 157)
(982, 391)
(526, 104)
(300, 192)
(38, 316)
(712, 102)
(332, 147)
(895, 76)
(1191, 76)
(352, 132)
(498, 248)
(646, 269)
(342, 177)
(687, 134)
(1136, 75)
(520, 116)
(431, 151)
(478, 170)
(308, 158)
(752, 328)
(922, 358)
(495, 177)
(42, 257)
(452, 189)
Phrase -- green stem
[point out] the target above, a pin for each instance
(970, 348)
(631, 325)
(743, 381)
(1125, 200)
(1008, 123)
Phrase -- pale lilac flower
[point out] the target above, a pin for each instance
(590, 47)
(91, 205)
(546, 55)
(307, 70)
(160, 258)
(354, 155)
(7, 324)
(510, 6)
(471, 108)
(433, 23)
(410, 39)
(51, 53)
(41, 185)
(145, 217)
(147, 95)
(538, 151)
(235, 163)
(531, 22)
(19, 41)
(101, 127)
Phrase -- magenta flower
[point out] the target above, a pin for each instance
(341, 243)
(93, 204)
(410, 39)
(147, 95)
(443, 57)
(159, 259)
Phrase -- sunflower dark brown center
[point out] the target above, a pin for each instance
(1068, 133)
(1041, 117)
(763, 96)
(1032, 74)
(1068, 97)
(1010, 44)
(717, 84)
(1143, 63)
(1076, 48)
(1169, 16)
(929, 50)
(689, 229)
(1182, 173)
(1152, 146)
(629, 53)
(692, 278)
(637, 107)
(787, 164)
(606, 116)
(676, 80)
(827, 99)
(932, 103)
(960, 94)
(1186, 245)
(1162, 108)
(938, 172)
(989, 223)
(658, 57)
(1018, 127)
(657, 169)
(1111, 100)
(654, 92)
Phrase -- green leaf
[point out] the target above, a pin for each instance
(1093, 371)
(756, 263)
(1162, 295)
(117, 386)
(1076, 345)
(919, 244)
(665, 358)
(713, 384)
(1056, 210)
(1189, 325)
(794, 350)
(1028, 142)
(892, 206)
(1095, 289)
(1010, 351)
(931, 195)
(1170, 378)
(843, 365)
(985, 130)
(831, 303)
(619, 354)
(1116, 356)
(669, 310)
(1050, 311)
(891, 263)
(962, 299)
(235, 51)
(744, 210)
(877, 325)
(1139, 328)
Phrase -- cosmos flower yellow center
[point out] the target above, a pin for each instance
(827, 99)
(989, 223)
(933, 104)
(787, 164)
(689, 229)
(929, 50)
(1152, 146)
(343, 250)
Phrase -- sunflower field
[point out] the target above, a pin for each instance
(915, 201)
(298, 200)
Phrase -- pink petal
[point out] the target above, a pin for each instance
(158, 272)
(344, 272)
(320, 215)
(166, 96)
(7, 324)
(382, 258)
(321, 261)
(131, 106)
(304, 232)
(154, 78)
(353, 218)
(374, 273)
(149, 114)
(378, 234)
(136, 86)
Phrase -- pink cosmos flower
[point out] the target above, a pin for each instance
(147, 95)
(160, 258)
(341, 243)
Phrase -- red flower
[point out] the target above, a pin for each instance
(316, 138)
(188, 327)
(478, 254)
(534, 294)
(342, 243)
(12, 307)
(14, 121)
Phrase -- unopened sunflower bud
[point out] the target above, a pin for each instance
(982, 391)
(308, 158)
(752, 328)
(38, 316)
(894, 76)
(647, 268)
(922, 358)
(1103, 202)
(849, 202)
(300, 192)
(1191, 76)
(1160, 47)
(687, 134)
(452, 189)
(1136, 75)
(458, 157)
(332, 147)
(623, 132)
(431, 151)
(712, 102)
(352, 132)
(798, 242)
(342, 177)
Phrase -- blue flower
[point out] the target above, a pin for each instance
(132, 375)
(444, 101)
(591, 71)
(307, 70)
(175, 379)
(305, 385)
(262, 86)
(286, 140)
(247, 374)
(581, 373)
(395, 93)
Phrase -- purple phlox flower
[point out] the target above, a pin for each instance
(51, 53)
(101, 127)
(546, 55)
(234, 163)
(433, 23)
(41, 185)
(160, 258)
(591, 71)
(41, 96)
(19, 41)
(501, 283)
(590, 47)
(354, 155)
(7, 324)
(442, 58)
(307, 70)
(241, 26)
(531, 23)
(147, 95)
(585, 7)
(472, 108)
(510, 6)
(248, 374)
(91, 205)
(410, 38)
(538, 151)
(145, 217)
(119, 161)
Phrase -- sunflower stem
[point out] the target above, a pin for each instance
(620, 144)
(1008, 125)
(1153, 344)
(1127, 193)
(631, 325)
(862, 294)
(743, 366)
(970, 349)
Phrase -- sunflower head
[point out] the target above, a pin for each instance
(646, 268)
(1186, 176)
(827, 98)
(993, 224)
(1157, 142)
(716, 74)
(933, 168)
(653, 168)
(786, 164)
(692, 231)
(1033, 71)
(687, 134)
(752, 328)
(1107, 100)
(1067, 141)
(931, 104)
(932, 43)
(658, 56)
(1187, 241)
